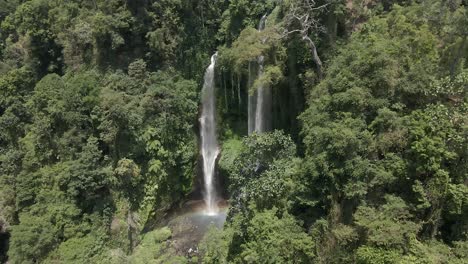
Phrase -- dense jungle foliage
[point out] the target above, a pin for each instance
(367, 162)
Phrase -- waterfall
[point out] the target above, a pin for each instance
(209, 143)
(252, 103)
(259, 107)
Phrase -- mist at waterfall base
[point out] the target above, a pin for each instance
(259, 120)
(192, 220)
(190, 223)
(209, 148)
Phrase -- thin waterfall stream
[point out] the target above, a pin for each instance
(260, 110)
(259, 106)
(209, 142)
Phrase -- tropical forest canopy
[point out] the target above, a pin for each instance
(367, 161)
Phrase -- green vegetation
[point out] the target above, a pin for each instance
(368, 162)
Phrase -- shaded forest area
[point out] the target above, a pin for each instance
(367, 161)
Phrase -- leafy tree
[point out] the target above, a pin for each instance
(272, 239)
(215, 245)
(154, 249)
(168, 32)
(30, 19)
(98, 112)
(389, 227)
(32, 240)
(263, 173)
(362, 139)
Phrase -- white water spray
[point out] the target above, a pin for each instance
(209, 143)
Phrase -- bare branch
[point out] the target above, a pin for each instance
(315, 56)
(300, 20)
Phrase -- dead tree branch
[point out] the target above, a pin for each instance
(300, 20)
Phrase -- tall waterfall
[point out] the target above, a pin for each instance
(252, 102)
(209, 143)
(259, 107)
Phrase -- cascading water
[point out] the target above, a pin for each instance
(259, 108)
(251, 103)
(209, 143)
